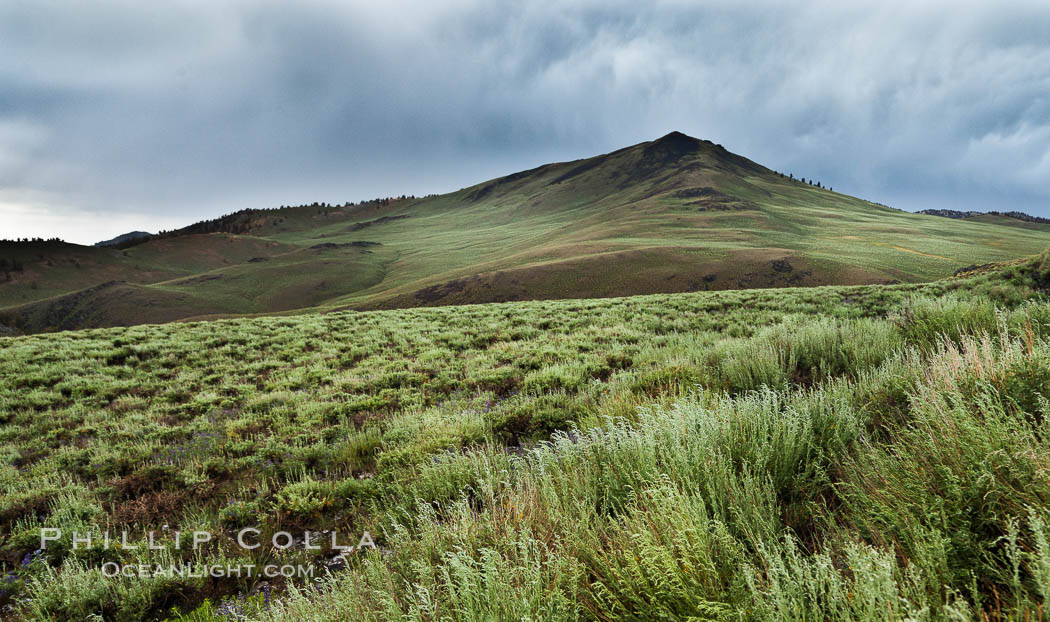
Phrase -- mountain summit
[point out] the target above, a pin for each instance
(671, 162)
(668, 215)
(674, 146)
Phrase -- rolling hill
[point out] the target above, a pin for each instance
(675, 214)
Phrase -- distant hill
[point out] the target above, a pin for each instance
(133, 236)
(1010, 219)
(950, 213)
(669, 215)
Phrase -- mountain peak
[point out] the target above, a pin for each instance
(677, 141)
(672, 147)
(676, 137)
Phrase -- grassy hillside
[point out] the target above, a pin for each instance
(866, 452)
(672, 215)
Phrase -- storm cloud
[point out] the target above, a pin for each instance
(123, 115)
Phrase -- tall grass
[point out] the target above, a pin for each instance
(765, 506)
(802, 351)
(743, 456)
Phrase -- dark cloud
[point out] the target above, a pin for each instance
(120, 115)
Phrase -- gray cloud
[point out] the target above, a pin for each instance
(123, 114)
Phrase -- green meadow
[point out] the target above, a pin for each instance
(870, 452)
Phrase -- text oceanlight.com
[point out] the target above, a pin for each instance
(113, 569)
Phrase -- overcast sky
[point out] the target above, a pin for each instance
(146, 115)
